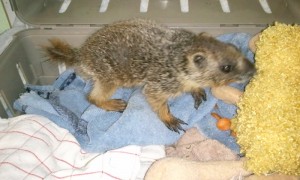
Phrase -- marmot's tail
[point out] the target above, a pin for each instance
(60, 51)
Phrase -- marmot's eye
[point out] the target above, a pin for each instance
(198, 58)
(226, 68)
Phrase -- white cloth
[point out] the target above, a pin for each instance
(32, 147)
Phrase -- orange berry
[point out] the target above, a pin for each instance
(223, 124)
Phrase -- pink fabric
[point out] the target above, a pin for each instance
(194, 146)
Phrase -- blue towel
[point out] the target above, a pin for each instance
(64, 102)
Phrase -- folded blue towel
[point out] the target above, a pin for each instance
(97, 130)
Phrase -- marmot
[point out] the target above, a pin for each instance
(165, 62)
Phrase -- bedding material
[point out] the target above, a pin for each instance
(33, 147)
(172, 168)
(193, 146)
(97, 130)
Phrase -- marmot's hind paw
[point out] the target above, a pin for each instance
(118, 105)
(175, 125)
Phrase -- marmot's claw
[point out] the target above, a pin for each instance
(198, 97)
(175, 125)
(204, 96)
(182, 122)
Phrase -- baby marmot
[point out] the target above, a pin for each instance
(164, 62)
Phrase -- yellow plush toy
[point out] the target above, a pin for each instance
(268, 119)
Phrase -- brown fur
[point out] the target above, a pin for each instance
(164, 62)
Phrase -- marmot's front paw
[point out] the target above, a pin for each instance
(198, 96)
(174, 124)
(159, 104)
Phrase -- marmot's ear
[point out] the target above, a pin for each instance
(233, 46)
(204, 34)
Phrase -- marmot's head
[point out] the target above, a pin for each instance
(213, 63)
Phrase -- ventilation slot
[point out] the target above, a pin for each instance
(5, 105)
(225, 6)
(64, 6)
(103, 6)
(21, 74)
(184, 6)
(144, 6)
(265, 5)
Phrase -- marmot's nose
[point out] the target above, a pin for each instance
(250, 70)
(251, 73)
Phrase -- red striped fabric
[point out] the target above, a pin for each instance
(32, 147)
